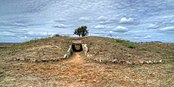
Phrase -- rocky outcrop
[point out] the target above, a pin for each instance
(69, 52)
(85, 49)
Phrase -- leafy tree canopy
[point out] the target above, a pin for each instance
(81, 31)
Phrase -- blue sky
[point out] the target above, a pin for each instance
(134, 20)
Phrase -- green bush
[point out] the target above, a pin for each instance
(56, 35)
(32, 41)
(131, 46)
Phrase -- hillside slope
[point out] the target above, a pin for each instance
(122, 51)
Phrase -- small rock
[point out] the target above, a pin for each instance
(114, 61)
(44, 60)
(65, 56)
(122, 62)
(160, 61)
(89, 55)
(100, 60)
(147, 62)
(33, 60)
(94, 80)
(150, 62)
(141, 61)
(155, 61)
(22, 59)
(129, 62)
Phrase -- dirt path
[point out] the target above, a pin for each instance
(76, 59)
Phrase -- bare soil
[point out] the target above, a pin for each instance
(76, 59)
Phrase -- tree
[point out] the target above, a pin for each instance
(81, 31)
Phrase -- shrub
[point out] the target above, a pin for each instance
(131, 46)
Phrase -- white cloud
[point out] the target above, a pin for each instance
(110, 31)
(121, 29)
(168, 29)
(126, 20)
(19, 24)
(99, 27)
(101, 18)
(6, 33)
(172, 21)
(23, 37)
(105, 22)
(153, 26)
(85, 19)
(60, 20)
(39, 33)
(147, 37)
(60, 26)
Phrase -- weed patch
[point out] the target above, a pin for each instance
(125, 43)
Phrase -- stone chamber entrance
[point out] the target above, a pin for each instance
(77, 47)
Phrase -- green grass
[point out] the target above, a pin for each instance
(121, 41)
(35, 40)
(125, 43)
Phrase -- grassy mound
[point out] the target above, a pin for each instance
(52, 48)
(79, 70)
(100, 49)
